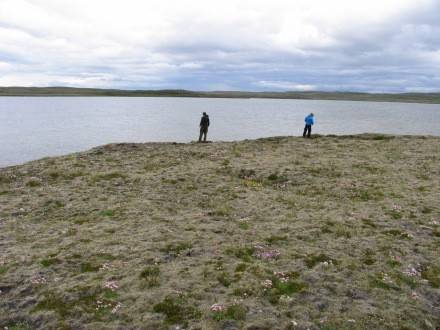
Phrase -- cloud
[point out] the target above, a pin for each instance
(286, 85)
(376, 45)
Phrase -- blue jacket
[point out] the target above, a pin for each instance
(309, 120)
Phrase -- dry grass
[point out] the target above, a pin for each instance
(281, 233)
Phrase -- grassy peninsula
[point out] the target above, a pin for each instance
(312, 95)
(277, 233)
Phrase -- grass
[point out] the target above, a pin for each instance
(243, 253)
(49, 262)
(33, 183)
(107, 213)
(232, 312)
(177, 310)
(176, 248)
(108, 176)
(320, 231)
(431, 273)
(151, 276)
(312, 260)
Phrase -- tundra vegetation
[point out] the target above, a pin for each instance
(433, 98)
(276, 233)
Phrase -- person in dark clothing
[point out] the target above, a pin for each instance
(204, 124)
(309, 122)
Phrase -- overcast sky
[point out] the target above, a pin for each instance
(344, 45)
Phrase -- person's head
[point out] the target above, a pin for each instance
(312, 114)
(204, 113)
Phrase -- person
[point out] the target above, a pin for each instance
(309, 122)
(204, 124)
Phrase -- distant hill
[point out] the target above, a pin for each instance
(348, 96)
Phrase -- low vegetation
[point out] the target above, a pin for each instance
(312, 95)
(278, 233)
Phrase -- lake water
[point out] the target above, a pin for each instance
(36, 127)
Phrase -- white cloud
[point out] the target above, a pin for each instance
(286, 85)
(196, 44)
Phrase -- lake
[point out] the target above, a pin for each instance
(36, 127)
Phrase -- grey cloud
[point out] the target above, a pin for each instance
(395, 55)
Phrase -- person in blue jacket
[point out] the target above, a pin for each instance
(309, 122)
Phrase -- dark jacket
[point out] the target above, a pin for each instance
(204, 122)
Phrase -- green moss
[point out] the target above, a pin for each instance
(284, 288)
(19, 326)
(233, 312)
(176, 248)
(151, 276)
(108, 176)
(3, 270)
(243, 292)
(368, 258)
(243, 253)
(222, 211)
(395, 214)
(275, 178)
(432, 275)
(224, 279)
(377, 281)
(276, 238)
(397, 233)
(49, 262)
(107, 213)
(177, 310)
(87, 267)
(312, 260)
(240, 268)
(33, 183)
(56, 303)
(404, 279)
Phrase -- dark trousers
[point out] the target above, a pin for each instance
(307, 130)
(204, 132)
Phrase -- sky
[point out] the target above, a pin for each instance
(252, 45)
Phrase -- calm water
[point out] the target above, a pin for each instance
(36, 127)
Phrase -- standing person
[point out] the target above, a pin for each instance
(204, 124)
(309, 122)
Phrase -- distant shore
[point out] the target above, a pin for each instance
(431, 98)
(332, 232)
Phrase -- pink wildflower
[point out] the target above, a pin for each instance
(265, 253)
(112, 285)
(116, 308)
(283, 277)
(105, 266)
(217, 308)
(411, 271)
(39, 279)
(267, 284)
(414, 295)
